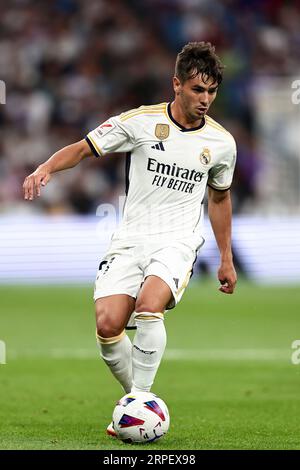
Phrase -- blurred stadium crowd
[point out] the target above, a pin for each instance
(70, 64)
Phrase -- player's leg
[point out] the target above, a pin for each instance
(167, 272)
(112, 314)
(150, 339)
(117, 283)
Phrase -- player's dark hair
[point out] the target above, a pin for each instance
(198, 58)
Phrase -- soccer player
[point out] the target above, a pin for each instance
(174, 150)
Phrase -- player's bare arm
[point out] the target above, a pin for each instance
(220, 214)
(67, 157)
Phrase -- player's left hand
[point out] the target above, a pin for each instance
(227, 277)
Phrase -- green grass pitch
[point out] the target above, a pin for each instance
(227, 374)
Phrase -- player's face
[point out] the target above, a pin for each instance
(195, 96)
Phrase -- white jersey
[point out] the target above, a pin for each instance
(167, 170)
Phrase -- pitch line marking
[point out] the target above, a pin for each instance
(170, 354)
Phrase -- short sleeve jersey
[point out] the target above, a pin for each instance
(167, 170)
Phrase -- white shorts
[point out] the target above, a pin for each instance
(123, 270)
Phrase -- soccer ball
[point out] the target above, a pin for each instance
(141, 417)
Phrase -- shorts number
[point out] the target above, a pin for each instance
(105, 265)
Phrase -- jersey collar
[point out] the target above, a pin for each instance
(179, 126)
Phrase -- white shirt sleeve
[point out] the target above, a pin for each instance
(111, 136)
(221, 175)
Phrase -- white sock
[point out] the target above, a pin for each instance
(148, 347)
(116, 353)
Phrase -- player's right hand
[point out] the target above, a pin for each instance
(32, 184)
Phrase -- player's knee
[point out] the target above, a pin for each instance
(107, 326)
(106, 329)
(144, 306)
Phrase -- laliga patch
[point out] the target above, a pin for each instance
(104, 128)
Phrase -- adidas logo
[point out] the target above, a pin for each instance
(159, 146)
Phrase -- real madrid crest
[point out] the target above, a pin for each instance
(205, 156)
(162, 131)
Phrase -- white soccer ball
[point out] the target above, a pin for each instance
(141, 417)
